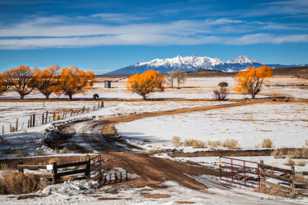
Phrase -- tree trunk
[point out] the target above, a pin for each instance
(70, 96)
(22, 96)
(47, 96)
(144, 97)
(253, 95)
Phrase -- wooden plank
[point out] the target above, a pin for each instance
(77, 171)
(31, 167)
(72, 164)
(282, 178)
(265, 166)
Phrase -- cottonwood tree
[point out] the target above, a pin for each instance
(145, 83)
(222, 91)
(46, 80)
(20, 79)
(73, 80)
(178, 76)
(250, 81)
(3, 84)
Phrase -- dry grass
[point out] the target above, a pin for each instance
(214, 143)
(231, 144)
(19, 183)
(278, 153)
(290, 162)
(195, 143)
(3, 166)
(300, 153)
(267, 143)
(176, 141)
(301, 163)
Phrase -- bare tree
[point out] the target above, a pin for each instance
(178, 76)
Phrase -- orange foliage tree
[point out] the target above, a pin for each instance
(20, 79)
(73, 80)
(46, 80)
(250, 81)
(145, 83)
(3, 83)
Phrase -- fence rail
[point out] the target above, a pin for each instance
(254, 174)
(42, 118)
(89, 168)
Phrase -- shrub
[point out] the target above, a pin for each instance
(194, 143)
(267, 143)
(19, 183)
(231, 144)
(176, 141)
(3, 166)
(300, 163)
(290, 162)
(222, 92)
(278, 153)
(214, 143)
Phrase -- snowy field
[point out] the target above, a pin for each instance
(194, 88)
(81, 193)
(9, 112)
(300, 164)
(286, 124)
(30, 142)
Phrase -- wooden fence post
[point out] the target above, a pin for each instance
(292, 180)
(2, 129)
(33, 123)
(46, 117)
(16, 126)
(20, 169)
(43, 117)
(115, 177)
(55, 172)
(262, 176)
(88, 169)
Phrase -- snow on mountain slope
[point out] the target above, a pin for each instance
(188, 64)
(242, 60)
(183, 61)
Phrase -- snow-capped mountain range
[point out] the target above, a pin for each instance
(189, 64)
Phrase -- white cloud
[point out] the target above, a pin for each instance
(61, 31)
(267, 38)
(118, 17)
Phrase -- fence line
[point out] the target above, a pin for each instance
(254, 174)
(38, 119)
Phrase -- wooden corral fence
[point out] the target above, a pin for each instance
(91, 168)
(257, 175)
(38, 119)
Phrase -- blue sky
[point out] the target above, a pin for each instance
(109, 34)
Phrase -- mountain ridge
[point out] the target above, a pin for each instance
(191, 64)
